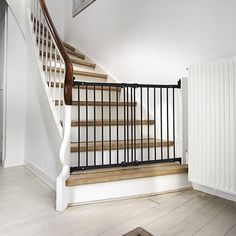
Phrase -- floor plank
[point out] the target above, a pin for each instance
(27, 207)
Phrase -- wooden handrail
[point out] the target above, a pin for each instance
(68, 83)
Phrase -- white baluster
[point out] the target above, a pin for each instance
(60, 97)
(50, 69)
(40, 29)
(46, 56)
(43, 38)
(55, 77)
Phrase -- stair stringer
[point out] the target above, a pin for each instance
(43, 134)
(42, 75)
(64, 153)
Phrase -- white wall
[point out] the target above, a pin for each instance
(56, 9)
(2, 56)
(18, 10)
(15, 93)
(154, 40)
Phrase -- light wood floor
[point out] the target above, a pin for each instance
(27, 208)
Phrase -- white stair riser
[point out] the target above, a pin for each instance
(106, 133)
(106, 156)
(82, 78)
(127, 188)
(106, 113)
(90, 95)
(75, 66)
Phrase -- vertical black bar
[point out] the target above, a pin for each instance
(109, 124)
(124, 127)
(155, 124)
(78, 126)
(135, 153)
(86, 126)
(174, 122)
(127, 125)
(132, 130)
(94, 119)
(167, 119)
(102, 125)
(141, 99)
(117, 125)
(148, 123)
(161, 123)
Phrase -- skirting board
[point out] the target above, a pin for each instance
(13, 162)
(127, 188)
(41, 174)
(214, 192)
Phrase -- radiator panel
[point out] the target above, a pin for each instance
(212, 101)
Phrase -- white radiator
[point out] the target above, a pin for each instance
(212, 116)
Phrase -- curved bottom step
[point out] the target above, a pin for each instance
(124, 173)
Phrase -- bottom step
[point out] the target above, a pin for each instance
(124, 173)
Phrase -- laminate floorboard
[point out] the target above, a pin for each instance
(27, 208)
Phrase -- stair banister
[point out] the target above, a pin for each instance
(68, 82)
(58, 70)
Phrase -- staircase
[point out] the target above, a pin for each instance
(111, 131)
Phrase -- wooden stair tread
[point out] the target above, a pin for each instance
(68, 46)
(98, 103)
(112, 122)
(71, 50)
(121, 145)
(73, 60)
(125, 173)
(104, 88)
(83, 63)
(91, 74)
(45, 43)
(52, 55)
(74, 53)
(76, 61)
(79, 72)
